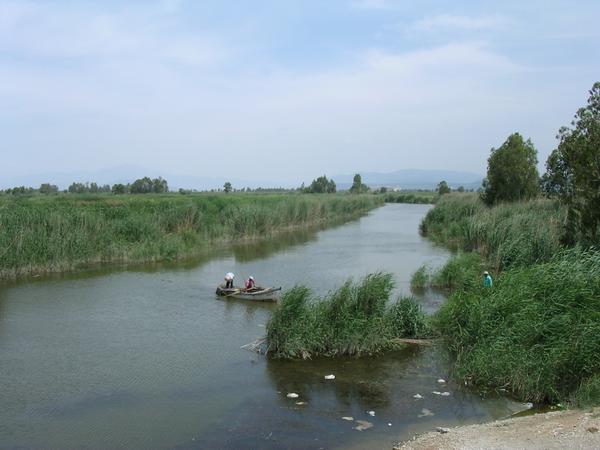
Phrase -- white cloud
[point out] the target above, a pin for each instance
(459, 22)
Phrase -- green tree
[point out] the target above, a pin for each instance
(573, 170)
(321, 186)
(357, 185)
(47, 188)
(443, 188)
(160, 185)
(512, 173)
(227, 187)
(119, 188)
(460, 189)
(142, 186)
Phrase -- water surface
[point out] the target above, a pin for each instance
(148, 357)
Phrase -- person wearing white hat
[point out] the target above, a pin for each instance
(487, 279)
(229, 280)
(250, 282)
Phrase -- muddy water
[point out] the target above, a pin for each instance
(147, 357)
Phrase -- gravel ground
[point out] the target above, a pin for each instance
(574, 429)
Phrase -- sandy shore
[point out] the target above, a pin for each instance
(575, 429)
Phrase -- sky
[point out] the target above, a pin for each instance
(287, 89)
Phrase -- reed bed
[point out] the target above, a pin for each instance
(507, 235)
(356, 319)
(46, 234)
(535, 333)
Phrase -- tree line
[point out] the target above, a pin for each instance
(572, 172)
(145, 185)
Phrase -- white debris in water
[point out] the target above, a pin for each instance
(445, 394)
(417, 396)
(348, 418)
(426, 413)
(389, 424)
(442, 430)
(292, 395)
(300, 403)
(363, 425)
(436, 392)
(441, 380)
(371, 413)
(330, 377)
(528, 405)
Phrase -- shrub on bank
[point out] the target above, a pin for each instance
(354, 320)
(536, 332)
(506, 235)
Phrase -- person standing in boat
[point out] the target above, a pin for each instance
(250, 283)
(229, 280)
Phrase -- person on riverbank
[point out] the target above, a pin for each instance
(487, 279)
(250, 283)
(229, 280)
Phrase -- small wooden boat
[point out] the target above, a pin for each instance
(257, 293)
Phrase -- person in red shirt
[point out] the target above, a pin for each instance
(250, 282)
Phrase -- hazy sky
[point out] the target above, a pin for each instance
(287, 89)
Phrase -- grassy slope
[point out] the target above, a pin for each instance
(62, 232)
(537, 331)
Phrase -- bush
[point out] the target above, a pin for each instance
(352, 320)
(537, 332)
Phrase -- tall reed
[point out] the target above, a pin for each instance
(39, 234)
(355, 319)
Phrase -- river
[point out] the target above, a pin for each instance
(147, 357)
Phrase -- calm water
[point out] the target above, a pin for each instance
(149, 358)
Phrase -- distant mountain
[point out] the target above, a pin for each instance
(413, 179)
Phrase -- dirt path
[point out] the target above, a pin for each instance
(555, 430)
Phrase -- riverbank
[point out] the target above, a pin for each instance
(550, 431)
(67, 232)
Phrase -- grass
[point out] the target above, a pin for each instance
(536, 332)
(353, 320)
(63, 232)
(414, 197)
(507, 235)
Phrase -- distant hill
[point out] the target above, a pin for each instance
(413, 179)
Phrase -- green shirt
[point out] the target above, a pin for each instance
(487, 281)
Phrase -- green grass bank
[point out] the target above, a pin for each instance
(536, 332)
(50, 234)
(356, 319)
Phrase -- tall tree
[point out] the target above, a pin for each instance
(512, 173)
(573, 170)
(443, 188)
(322, 186)
(227, 187)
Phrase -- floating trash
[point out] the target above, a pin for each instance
(417, 396)
(348, 418)
(442, 430)
(441, 380)
(300, 403)
(426, 413)
(389, 424)
(330, 377)
(371, 413)
(363, 425)
(292, 395)
(445, 394)
(528, 405)
(436, 392)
